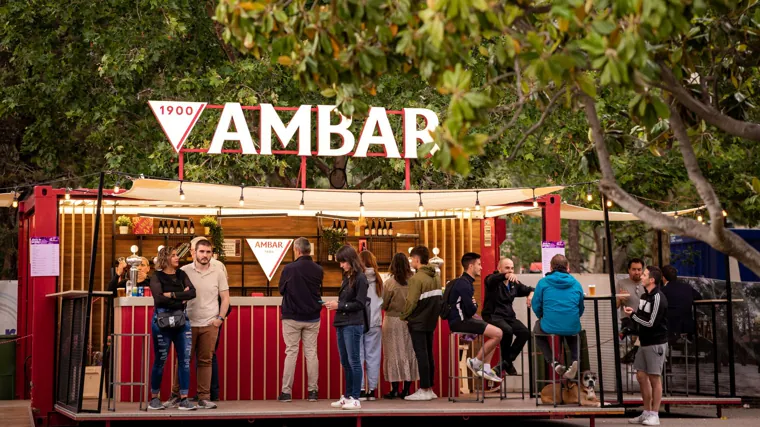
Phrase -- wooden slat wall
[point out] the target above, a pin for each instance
(453, 237)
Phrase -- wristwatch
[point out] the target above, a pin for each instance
(220, 318)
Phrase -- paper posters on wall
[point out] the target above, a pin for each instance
(269, 253)
(8, 306)
(231, 248)
(548, 250)
(44, 256)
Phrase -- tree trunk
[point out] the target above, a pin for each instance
(574, 245)
(654, 247)
(599, 253)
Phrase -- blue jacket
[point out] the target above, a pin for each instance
(460, 299)
(558, 302)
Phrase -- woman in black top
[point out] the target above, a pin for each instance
(121, 277)
(171, 288)
(351, 322)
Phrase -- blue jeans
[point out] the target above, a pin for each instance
(349, 344)
(162, 339)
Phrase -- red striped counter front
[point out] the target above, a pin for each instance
(251, 353)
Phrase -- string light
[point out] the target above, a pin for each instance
(422, 207)
(589, 197)
(361, 202)
(725, 214)
(15, 199)
(116, 187)
(181, 192)
(609, 203)
(535, 202)
(699, 217)
(477, 200)
(301, 206)
(67, 196)
(242, 200)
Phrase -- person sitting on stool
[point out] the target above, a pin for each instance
(502, 287)
(463, 307)
(558, 303)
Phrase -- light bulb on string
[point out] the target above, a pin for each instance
(609, 203)
(301, 206)
(241, 202)
(589, 197)
(477, 201)
(361, 203)
(535, 201)
(181, 192)
(116, 187)
(15, 199)
(421, 207)
(67, 196)
(725, 214)
(699, 218)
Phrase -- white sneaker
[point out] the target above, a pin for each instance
(559, 368)
(475, 366)
(421, 394)
(491, 376)
(652, 420)
(572, 372)
(339, 403)
(352, 404)
(432, 394)
(638, 420)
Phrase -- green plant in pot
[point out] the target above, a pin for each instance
(333, 238)
(123, 222)
(208, 222)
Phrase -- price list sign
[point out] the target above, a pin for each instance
(45, 256)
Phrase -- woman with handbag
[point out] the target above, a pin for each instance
(351, 323)
(171, 288)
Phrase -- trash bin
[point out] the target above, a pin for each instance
(7, 367)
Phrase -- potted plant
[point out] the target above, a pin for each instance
(333, 240)
(208, 222)
(123, 222)
(216, 236)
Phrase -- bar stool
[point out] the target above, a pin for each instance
(554, 379)
(503, 389)
(458, 364)
(668, 373)
(144, 377)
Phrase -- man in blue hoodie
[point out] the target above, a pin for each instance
(558, 303)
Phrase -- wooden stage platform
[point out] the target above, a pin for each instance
(442, 407)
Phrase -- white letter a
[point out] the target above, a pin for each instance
(232, 113)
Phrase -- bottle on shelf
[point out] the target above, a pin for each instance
(184, 228)
(345, 227)
(171, 227)
(366, 230)
(178, 229)
(390, 229)
(192, 227)
(334, 226)
(373, 230)
(385, 228)
(160, 226)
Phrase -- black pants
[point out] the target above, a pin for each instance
(513, 338)
(422, 342)
(546, 348)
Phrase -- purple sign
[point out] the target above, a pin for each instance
(44, 256)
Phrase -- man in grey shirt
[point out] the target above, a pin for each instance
(629, 293)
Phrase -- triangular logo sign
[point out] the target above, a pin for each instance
(269, 253)
(177, 119)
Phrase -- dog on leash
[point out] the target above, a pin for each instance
(568, 394)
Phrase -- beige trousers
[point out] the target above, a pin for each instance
(294, 332)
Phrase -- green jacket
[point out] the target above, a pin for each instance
(423, 302)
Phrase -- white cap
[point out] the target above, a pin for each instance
(196, 240)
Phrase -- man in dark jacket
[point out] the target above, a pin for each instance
(300, 283)
(651, 318)
(502, 287)
(461, 299)
(680, 296)
(423, 306)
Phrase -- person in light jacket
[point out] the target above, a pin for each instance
(371, 348)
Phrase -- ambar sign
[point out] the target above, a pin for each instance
(178, 118)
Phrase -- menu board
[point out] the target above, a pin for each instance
(548, 250)
(45, 256)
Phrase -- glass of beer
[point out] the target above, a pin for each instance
(592, 290)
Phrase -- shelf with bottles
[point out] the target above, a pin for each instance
(370, 227)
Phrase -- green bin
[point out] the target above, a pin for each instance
(7, 367)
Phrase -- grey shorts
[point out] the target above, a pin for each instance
(651, 359)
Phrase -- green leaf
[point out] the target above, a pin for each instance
(662, 109)
(328, 92)
(587, 85)
(603, 27)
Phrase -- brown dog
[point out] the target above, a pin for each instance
(569, 392)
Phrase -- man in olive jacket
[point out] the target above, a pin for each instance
(423, 306)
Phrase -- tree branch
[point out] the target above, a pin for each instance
(322, 166)
(538, 124)
(707, 112)
(368, 179)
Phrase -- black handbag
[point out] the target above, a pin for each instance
(171, 319)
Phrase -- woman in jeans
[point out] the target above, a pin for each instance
(371, 344)
(171, 288)
(350, 321)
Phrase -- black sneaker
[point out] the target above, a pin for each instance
(313, 396)
(186, 405)
(510, 369)
(284, 397)
(172, 402)
(392, 395)
(155, 404)
(193, 399)
(371, 395)
(206, 404)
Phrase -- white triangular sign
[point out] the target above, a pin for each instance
(269, 253)
(177, 119)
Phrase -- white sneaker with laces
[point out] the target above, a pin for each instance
(352, 404)
(339, 403)
(572, 372)
(420, 395)
(491, 376)
(638, 420)
(432, 394)
(475, 366)
(652, 420)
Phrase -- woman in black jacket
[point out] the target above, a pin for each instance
(171, 288)
(351, 323)
(122, 273)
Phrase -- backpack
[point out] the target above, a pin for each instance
(446, 307)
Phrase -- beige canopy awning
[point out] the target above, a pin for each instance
(568, 211)
(6, 200)
(321, 200)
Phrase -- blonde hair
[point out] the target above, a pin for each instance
(164, 257)
(370, 261)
